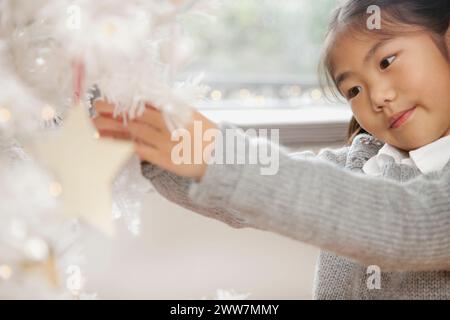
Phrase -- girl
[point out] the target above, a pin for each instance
(380, 203)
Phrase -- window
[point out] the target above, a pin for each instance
(261, 53)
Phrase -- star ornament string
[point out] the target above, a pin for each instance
(52, 51)
(120, 49)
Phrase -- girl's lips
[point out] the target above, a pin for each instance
(402, 119)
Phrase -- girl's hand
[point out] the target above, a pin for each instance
(151, 137)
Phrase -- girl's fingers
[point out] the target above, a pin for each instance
(148, 153)
(109, 124)
(151, 117)
(115, 135)
(154, 118)
(145, 133)
(104, 107)
(150, 106)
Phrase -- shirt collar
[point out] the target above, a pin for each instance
(433, 156)
(395, 153)
(429, 158)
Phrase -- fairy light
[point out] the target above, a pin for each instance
(48, 113)
(109, 29)
(96, 135)
(5, 115)
(40, 61)
(260, 100)
(295, 91)
(5, 272)
(316, 94)
(216, 95)
(36, 249)
(55, 189)
(244, 93)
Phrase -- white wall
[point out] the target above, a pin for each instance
(182, 255)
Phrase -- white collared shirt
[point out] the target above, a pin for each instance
(429, 158)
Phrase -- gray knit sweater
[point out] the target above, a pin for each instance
(400, 222)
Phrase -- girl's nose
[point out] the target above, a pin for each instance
(382, 96)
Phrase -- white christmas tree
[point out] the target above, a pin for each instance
(51, 53)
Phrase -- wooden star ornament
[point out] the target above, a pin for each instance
(84, 168)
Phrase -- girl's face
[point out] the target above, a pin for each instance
(382, 79)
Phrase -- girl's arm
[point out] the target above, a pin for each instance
(176, 188)
(397, 226)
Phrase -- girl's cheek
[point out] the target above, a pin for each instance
(358, 111)
(358, 116)
(364, 117)
(417, 78)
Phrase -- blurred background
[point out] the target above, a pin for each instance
(260, 59)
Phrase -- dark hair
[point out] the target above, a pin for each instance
(430, 15)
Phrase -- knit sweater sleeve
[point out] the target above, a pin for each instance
(176, 188)
(397, 226)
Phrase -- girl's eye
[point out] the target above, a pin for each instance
(385, 63)
(353, 92)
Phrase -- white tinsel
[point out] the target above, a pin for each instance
(129, 189)
(51, 48)
(46, 46)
